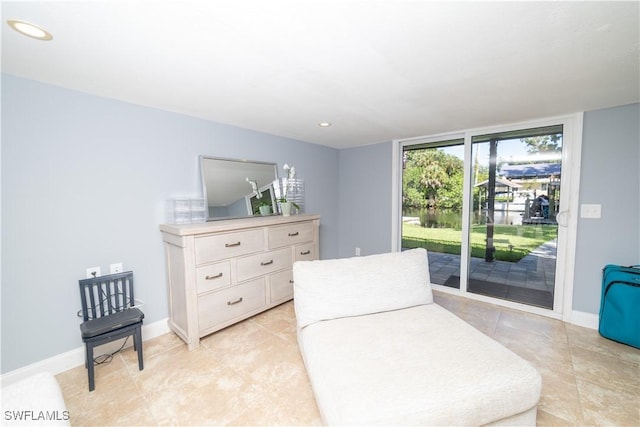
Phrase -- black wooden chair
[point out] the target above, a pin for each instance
(109, 315)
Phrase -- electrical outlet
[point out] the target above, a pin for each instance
(590, 211)
(115, 268)
(93, 272)
(357, 251)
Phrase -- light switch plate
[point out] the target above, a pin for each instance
(590, 211)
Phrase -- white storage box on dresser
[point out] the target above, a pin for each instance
(222, 272)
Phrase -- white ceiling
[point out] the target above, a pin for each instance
(377, 70)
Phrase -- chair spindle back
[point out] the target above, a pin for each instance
(106, 295)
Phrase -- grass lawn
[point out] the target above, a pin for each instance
(512, 242)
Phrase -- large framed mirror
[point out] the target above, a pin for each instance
(236, 188)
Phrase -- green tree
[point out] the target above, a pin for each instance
(412, 189)
(543, 144)
(432, 178)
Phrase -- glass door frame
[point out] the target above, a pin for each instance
(567, 213)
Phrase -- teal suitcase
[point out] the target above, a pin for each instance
(620, 304)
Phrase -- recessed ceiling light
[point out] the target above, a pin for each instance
(324, 124)
(30, 30)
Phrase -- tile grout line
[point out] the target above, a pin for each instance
(136, 384)
(573, 373)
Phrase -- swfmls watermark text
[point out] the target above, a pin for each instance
(29, 415)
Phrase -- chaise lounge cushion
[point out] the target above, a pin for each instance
(378, 351)
(416, 366)
(332, 289)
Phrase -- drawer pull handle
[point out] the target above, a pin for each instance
(230, 245)
(307, 252)
(238, 301)
(291, 281)
(267, 262)
(217, 276)
(294, 234)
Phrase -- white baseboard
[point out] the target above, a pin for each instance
(586, 320)
(70, 359)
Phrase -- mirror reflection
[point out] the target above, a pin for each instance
(237, 188)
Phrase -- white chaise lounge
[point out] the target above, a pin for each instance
(379, 351)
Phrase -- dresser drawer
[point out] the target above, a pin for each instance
(214, 276)
(264, 263)
(291, 234)
(227, 304)
(281, 285)
(305, 252)
(228, 245)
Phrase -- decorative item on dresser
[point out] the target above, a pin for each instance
(289, 192)
(222, 272)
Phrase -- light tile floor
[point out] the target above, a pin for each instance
(252, 374)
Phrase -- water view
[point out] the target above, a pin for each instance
(437, 218)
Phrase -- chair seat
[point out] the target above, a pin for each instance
(101, 325)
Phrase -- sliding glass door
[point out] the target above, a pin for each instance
(513, 224)
(486, 205)
(432, 199)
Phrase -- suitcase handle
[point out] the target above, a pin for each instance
(634, 266)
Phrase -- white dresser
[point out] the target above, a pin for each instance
(221, 272)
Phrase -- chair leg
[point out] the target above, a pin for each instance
(89, 362)
(86, 355)
(138, 340)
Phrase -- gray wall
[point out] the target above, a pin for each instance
(84, 183)
(610, 176)
(365, 199)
